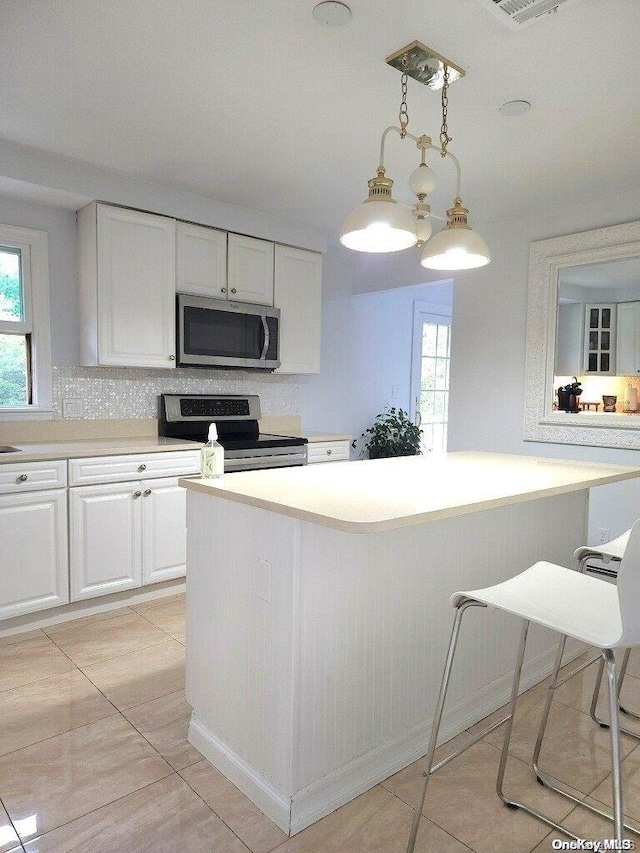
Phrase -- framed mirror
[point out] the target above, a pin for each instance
(583, 320)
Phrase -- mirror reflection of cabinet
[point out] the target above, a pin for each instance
(570, 339)
(628, 339)
(600, 339)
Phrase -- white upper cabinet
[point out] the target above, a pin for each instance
(298, 295)
(600, 339)
(127, 287)
(570, 339)
(628, 339)
(250, 270)
(201, 260)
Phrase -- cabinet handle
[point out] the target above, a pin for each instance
(329, 452)
(142, 467)
(223, 290)
(137, 494)
(233, 290)
(147, 492)
(22, 478)
(172, 358)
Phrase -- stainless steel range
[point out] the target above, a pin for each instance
(245, 447)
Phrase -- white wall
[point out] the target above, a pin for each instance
(366, 342)
(488, 351)
(61, 228)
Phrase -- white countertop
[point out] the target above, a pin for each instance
(33, 452)
(385, 494)
(313, 437)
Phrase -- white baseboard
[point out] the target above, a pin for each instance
(319, 799)
(244, 777)
(89, 607)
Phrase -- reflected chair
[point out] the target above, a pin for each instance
(576, 605)
(608, 553)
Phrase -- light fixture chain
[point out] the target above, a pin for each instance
(403, 115)
(445, 139)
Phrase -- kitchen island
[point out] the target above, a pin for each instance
(318, 614)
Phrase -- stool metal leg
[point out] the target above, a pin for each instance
(616, 774)
(615, 756)
(512, 709)
(460, 610)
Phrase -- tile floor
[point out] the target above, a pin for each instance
(94, 759)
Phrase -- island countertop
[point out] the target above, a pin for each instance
(386, 494)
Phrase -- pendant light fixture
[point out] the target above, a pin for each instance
(380, 223)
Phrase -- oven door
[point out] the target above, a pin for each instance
(213, 333)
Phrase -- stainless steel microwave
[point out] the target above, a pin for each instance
(215, 333)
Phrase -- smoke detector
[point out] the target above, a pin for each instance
(519, 13)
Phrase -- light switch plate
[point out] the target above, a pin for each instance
(72, 407)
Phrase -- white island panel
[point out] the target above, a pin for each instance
(315, 653)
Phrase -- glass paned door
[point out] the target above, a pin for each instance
(430, 377)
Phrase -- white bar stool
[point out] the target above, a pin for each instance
(575, 605)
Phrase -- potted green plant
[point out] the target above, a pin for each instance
(392, 433)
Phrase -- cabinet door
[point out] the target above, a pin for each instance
(628, 339)
(250, 271)
(569, 339)
(164, 530)
(298, 295)
(201, 260)
(34, 571)
(600, 339)
(136, 288)
(105, 538)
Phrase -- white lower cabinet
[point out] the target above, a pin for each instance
(125, 535)
(164, 530)
(33, 556)
(328, 451)
(106, 525)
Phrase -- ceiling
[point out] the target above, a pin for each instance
(251, 102)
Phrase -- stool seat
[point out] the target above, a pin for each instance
(562, 599)
(613, 550)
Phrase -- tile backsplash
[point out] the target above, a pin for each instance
(107, 393)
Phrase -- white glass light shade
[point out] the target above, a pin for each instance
(379, 226)
(424, 229)
(422, 180)
(455, 249)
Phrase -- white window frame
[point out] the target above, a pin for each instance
(34, 249)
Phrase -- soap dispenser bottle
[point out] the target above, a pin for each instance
(212, 456)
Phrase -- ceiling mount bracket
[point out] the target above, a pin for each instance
(424, 65)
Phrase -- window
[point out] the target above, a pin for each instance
(25, 348)
(430, 375)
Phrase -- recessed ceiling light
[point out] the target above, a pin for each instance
(331, 14)
(514, 108)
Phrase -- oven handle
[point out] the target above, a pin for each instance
(265, 326)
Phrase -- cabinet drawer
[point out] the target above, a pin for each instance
(119, 469)
(327, 451)
(29, 476)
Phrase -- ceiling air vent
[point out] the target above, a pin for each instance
(519, 13)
